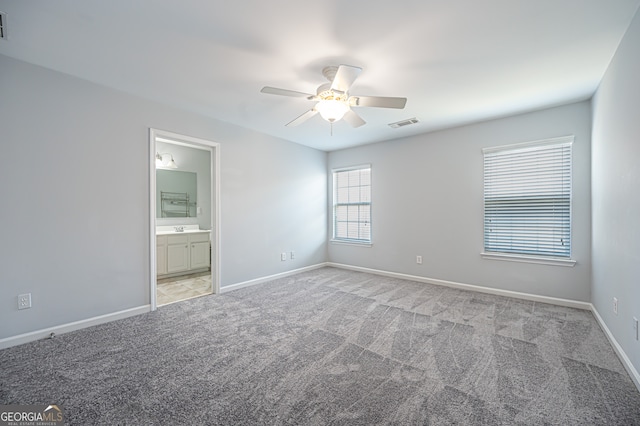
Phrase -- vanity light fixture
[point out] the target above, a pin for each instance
(161, 162)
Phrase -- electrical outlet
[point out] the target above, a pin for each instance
(293, 255)
(615, 305)
(419, 260)
(283, 256)
(635, 327)
(24, 301)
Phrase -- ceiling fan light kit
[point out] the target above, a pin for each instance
(332, 110)
(334, 102)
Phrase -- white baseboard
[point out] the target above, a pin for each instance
(496, 291)
(619, 351)
(236, 286)
(72, 326)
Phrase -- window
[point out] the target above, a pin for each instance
(527, 199)
(352, 204)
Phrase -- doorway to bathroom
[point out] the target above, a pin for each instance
(184, 217)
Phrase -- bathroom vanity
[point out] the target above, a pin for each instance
(182, 250)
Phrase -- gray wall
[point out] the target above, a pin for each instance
(616, 193)
(72, 148)
(427, 199)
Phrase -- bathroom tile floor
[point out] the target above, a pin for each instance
(175, 289)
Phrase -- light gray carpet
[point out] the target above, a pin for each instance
(332, 347)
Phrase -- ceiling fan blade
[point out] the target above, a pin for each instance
(353, 119)
(304, 117)
(285, 92)
(345, 76)
(377, 101)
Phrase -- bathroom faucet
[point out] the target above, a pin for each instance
(179, 228)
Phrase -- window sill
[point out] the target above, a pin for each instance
(351, 243)
(529, 259)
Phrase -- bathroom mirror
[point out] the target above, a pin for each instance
(175, 194)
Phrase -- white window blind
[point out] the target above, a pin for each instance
(352, 204)
(527, 198)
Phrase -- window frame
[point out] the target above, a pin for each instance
(350, 241)
(520, 257)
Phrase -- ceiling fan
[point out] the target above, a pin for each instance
(334, 101)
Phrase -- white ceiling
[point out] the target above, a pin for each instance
(456, 61)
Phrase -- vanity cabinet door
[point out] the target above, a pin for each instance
(161, 255)
(177, 254)
(200, 255)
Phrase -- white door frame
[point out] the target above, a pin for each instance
(214, 149)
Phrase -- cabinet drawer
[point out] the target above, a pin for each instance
(161, 240)
(177, 239)
(200, 237)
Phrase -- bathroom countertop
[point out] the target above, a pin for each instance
(187, 229)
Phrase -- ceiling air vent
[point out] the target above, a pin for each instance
(403, 123)
(3, 26)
